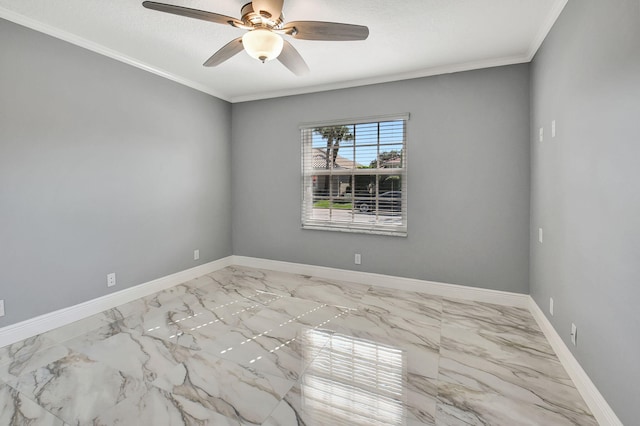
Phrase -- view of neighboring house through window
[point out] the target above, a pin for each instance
(355, 175)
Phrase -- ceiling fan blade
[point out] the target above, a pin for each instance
(272, 7)
(330, 31)
(226, 52)
(192, 13)
(291, 59)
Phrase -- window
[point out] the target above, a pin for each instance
(355, 175)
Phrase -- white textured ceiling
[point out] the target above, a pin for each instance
(410, 38)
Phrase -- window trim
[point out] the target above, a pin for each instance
(351, 227)
(362, 120)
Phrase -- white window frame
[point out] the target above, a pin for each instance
(398, 228)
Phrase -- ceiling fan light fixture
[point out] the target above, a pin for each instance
(262, 44)
(264, 21)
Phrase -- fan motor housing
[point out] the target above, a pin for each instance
(265, 20)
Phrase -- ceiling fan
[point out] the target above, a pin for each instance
(265, 24)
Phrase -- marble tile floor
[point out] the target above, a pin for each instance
(252, 347)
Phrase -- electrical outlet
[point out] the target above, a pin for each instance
(551, 306)
(196, 254)
(540, 235)
(111, 279)
(574, 334)
(553, 129)
(1, 308)
(358, 259)
(541, 134)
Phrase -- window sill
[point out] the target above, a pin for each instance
(395, 232)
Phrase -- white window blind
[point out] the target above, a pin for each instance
(354, 175)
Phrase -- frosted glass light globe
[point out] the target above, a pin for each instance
(262, 44)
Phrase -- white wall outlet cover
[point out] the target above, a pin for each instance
(358, 259)
(111, 279)
(1, 308)
(541, 134)
(551, 306)
(539, 234)
(196, 254)
(553, 129)
(574, 334)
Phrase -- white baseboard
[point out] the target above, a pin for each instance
(397, 283)
(594, 400)
(592, 397)
(43, 323)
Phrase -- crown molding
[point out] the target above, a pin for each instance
(105, 51)
(427, 72)
(551, 19)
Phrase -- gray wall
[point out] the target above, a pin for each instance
(103, 168)
(468, 185)
(586, 191)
